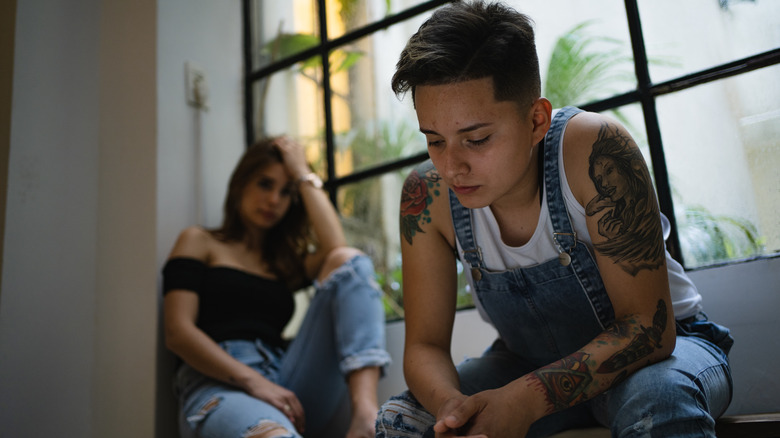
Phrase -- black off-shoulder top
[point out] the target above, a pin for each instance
(233, 304)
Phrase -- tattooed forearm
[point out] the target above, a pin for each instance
(420, 187)
(572, 380)
(619, 329)
(565, 381)
(641, 346)
(629, 220)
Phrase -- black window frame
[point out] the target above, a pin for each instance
(645, 94)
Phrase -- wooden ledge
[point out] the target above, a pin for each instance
(753, 426)
(731, 426)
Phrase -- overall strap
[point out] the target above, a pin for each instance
(564, 235)
(461, 220)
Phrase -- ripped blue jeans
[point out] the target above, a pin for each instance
(343, 331)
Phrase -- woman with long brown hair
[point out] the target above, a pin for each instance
(229, 295)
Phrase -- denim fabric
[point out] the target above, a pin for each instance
(545, 326)
(678, 397)
(343, 330)
(545, 312)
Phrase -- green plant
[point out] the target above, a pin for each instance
(371, 143)
(707, 238)
(289, 44)
(584, 67)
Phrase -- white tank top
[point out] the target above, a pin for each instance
(498, 256)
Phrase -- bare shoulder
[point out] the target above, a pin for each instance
(583, 130)
(609, 176)
(425, 205)
(193, 242)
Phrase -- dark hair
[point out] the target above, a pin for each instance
(473, 40)
(285, 245)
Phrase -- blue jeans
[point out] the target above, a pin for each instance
(677, 397)
(343, 331)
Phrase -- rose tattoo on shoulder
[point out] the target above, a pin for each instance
(419, 189)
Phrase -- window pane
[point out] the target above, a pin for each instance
(371, 125)
(683, 37)
(721, 145)
(289, 102)
(348, 15)
(584, 54)
(370, 211)
(282, 29)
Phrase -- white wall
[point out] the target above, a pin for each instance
(48, 304)
(196, 149)
(76, 329)
(102, 171)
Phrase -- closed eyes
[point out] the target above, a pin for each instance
(479, 142)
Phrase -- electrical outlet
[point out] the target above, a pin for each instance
(196, 89)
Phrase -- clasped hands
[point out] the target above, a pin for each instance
(487, 414)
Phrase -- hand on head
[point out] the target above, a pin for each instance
(293, 156)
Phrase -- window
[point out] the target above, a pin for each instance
(694, 82)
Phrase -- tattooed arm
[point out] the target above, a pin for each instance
(609, 177)
(430, 287)
(624, 225)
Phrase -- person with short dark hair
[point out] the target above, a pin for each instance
(555, 221)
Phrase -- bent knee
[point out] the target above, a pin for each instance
(341, 255)
(662, 403)
(403, 416)
(336, 258)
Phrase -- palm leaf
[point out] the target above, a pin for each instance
(289, 44)
(580, 71)
(708, 238)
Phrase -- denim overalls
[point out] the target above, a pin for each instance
(545, 312)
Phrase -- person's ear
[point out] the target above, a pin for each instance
(541, 116)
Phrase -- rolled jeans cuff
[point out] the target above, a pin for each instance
(368, 358)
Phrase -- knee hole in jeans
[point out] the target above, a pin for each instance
(204, 410)
(267, 429)
(335, 259)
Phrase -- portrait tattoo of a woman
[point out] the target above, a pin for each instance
(630, 219)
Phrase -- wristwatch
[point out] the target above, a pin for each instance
(311, 178)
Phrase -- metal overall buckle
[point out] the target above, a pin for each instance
(564, 257)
